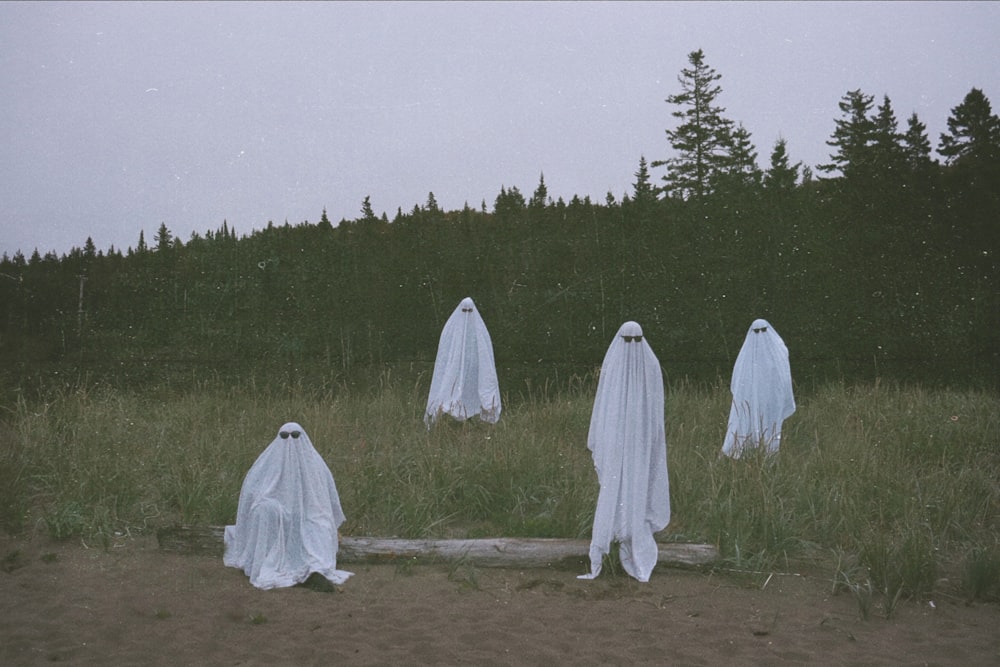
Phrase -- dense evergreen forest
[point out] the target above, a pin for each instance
(886, 265)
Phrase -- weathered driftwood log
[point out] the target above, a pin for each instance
(185, 539)
(490, 552)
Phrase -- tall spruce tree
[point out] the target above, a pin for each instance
(920, 168)
(973, 131)
(324, 221)
(971, 149)
(541, 195)
(643, 192)
(163, 238)
(509, 204)
(367, 212)
(432, 205)
(852, 137)
(741, 168)
(888, 155)
(703, 139)
(781, 176)
(917, 145)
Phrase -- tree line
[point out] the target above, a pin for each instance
(885, 265)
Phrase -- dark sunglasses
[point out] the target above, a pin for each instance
(295, 434)
(760, 329)
(629, 339)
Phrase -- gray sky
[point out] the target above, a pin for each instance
(117, 117)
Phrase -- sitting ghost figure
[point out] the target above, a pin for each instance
(762, 392)
(464, 384)
(288, 516)
(629, 446)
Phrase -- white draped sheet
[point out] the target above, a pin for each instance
(628, 443)
(464, 384)
(288, 516)
(762, 392)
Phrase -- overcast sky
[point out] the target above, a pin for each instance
(117, 117)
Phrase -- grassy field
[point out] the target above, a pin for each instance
(895, 489)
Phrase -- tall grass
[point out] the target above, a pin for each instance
(901, 483)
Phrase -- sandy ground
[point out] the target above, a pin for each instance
(133, 604)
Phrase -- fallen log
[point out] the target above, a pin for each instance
(504, 551)
(487, 552)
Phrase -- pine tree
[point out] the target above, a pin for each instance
(917, 145)
(852, 137)
(741, 169)
(163, 238)
(432, 206)
(920, 168)
(541, 195)
(807, 175)
(971, 149)
(781, 177)
(973, 131)
(642, 190)
(888, 156)
(324, 221)
(367, 213)
(703, 139)
(509, 204)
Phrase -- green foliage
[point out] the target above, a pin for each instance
(973, 131)
(849, 575)
(13, 482)
(465, 478)
(899, 479)
(899, 483)
(703, 140)
(899, 561)
(64, 521)
(853, 138)
(891, 274)
(917, 145)
(781, 176)
(981, 572)
(852, 297)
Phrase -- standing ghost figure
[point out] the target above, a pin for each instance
(464, 383)
(288, 516)
(762, 392)
(629, 446)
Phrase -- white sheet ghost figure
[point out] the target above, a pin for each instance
(762, 392)
(629, 446)
(464, 384)
(288, 516)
